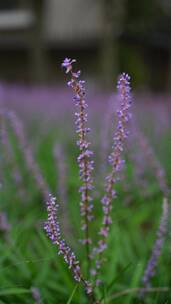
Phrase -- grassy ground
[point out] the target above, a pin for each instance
(31, 270)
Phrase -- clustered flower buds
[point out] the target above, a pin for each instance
(86, 167)
(84, 159)
(115, 160)
(53, 231)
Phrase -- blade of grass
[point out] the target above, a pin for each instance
(118, 276)
(14, 291)
(72, 294)
(115, 279)
(137, 290)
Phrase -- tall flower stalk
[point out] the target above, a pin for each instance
(84, 159)
(150, 270)
(86, 167)
(116, 162)
(52, 229)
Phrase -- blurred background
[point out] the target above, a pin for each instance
(106, 36)
(38, 142)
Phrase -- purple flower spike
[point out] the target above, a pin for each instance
(115, 159)
(157, 249)
(86, 165)
(53, 231)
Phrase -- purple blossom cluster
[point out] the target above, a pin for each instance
(53, 231)
(157, 248)
(84, 159)
(86, 163)
(53, 228)
(115, 158)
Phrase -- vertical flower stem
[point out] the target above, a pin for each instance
(116, 162)
(53, 231)
(82, 138)
(84, 161)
